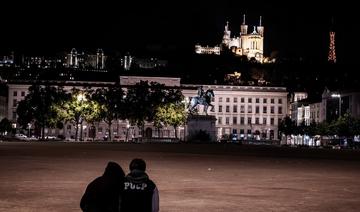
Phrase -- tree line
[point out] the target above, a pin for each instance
(53, 106)
(344, 126)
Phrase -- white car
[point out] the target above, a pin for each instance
(21, 137)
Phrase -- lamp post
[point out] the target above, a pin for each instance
(337, 95)
(29, 127)
(127, 132)
(80, 98)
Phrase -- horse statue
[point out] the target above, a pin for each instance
(205, 100)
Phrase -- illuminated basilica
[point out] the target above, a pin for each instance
(248, 44)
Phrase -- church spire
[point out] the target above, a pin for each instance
(243, 27)
(260, 21)
(260, 28)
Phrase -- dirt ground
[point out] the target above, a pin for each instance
(53, 176)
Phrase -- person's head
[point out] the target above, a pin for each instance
(114, 170)
(138, 164)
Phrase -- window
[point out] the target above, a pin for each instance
(100, 129)
(257, 100)
(249, 120)
(220, 120)
(256, 120)
(14, 102)
(271, 121)
(280, 110)
(248, 131)
(235, 99)
(227, 120)
(227, 99)
(14, 115)
(265, 101)
(242, 100)
(264, 121)
(15, 93)
(235, 120)
(242, 120)
(220, 108)
(241, 131)
(220, 99)
(280, 101)
(22, 93)
(249, 109)
(234, 131)
(272, 110)
(257, 110)
(249, 100)
(69, 127)
(242, 109)
(279, 121)
(235, 108)
(227, 108)
(272, 101)
(264, 109)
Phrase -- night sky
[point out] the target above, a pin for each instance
(295, 29)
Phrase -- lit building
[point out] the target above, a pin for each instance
(85, 61)
(246, 111)
(249, 112)
(7, 60)
(248, 44)
(129, 62)
(338, 103)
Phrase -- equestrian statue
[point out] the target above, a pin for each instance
(203, 98)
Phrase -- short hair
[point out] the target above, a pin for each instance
(138, 164)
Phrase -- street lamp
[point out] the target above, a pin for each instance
(127, 132)
(337, 95)
(29, 127)
(80, 98)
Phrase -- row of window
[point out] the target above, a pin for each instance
(249, 109)
(249, 100)
(249, 120)
(16, 93)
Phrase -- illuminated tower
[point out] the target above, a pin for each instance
(332, 54)
(227, 33)
(260, 28)
(243, 27)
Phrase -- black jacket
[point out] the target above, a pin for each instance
(103, 194)
(140, 193)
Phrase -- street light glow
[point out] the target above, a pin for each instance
(81, 97)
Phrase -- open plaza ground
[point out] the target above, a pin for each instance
(52, 176)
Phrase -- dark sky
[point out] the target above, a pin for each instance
(296, 28)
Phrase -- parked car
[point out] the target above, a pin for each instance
(21, 137)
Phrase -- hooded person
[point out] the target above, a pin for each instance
(140, 193)
(104, 193)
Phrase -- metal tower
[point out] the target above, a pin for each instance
(332, 54)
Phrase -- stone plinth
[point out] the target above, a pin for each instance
(198, 126)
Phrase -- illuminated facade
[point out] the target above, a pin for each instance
(248, 44)
(85, 61)
(249, 112)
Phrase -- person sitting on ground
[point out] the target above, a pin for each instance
(104, 193)
(140, 193)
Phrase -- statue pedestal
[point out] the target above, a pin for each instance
(200, 128)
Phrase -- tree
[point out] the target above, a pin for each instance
(5, 126)
(78, 108)
(37, 107)
(111, 105)
(170, 114)
(287, 126)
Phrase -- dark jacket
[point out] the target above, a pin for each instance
(140, 193)
(104, 193)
